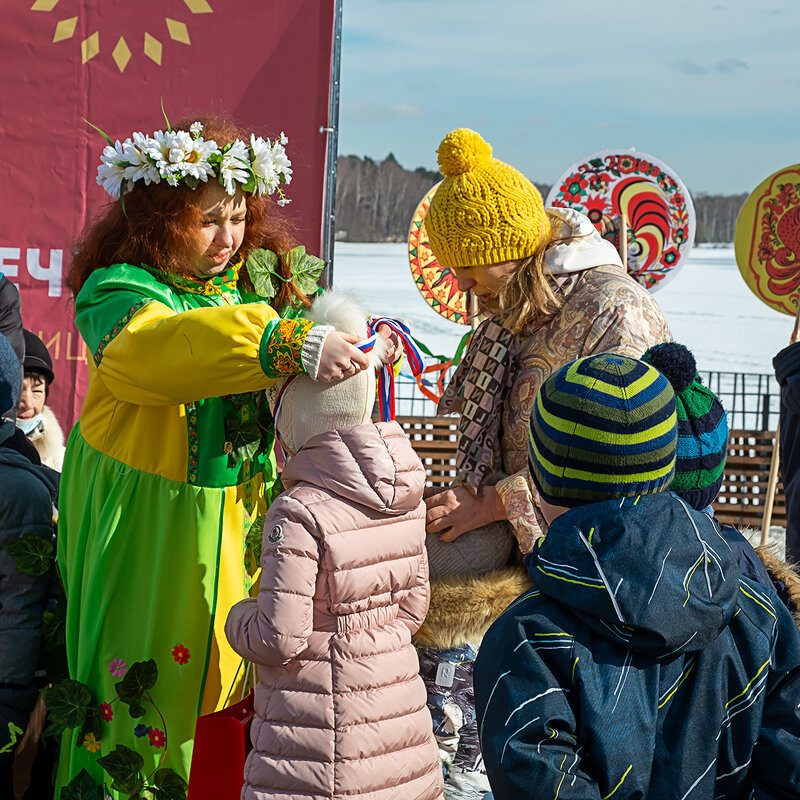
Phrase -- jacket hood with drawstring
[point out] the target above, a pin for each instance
(641, 663)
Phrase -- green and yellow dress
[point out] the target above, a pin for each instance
(166, 468)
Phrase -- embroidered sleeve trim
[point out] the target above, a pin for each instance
(517, 494)
(194, 460)
(281, 350)
(116, 330)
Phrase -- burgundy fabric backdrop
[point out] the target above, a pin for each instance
(265, 62)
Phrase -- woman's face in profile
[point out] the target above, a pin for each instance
(485, 281)
(220, 232)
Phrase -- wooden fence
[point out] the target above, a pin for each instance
(739, 503)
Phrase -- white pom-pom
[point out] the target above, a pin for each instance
(341, 311)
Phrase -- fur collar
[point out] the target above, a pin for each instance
(463, 607)
(48, 439)
(784, 572)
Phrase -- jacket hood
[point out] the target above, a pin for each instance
(650, 573)
(11, 458)
(372, 464)
(589, 249)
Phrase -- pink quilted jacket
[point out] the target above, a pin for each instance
(340, 706)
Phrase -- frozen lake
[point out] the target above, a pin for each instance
(708, 306)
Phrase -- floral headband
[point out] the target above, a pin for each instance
(176, 156)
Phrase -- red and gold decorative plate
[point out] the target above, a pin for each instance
(436, 284)
(767, 240)
(656, 204)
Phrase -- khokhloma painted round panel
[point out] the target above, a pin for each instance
(656, 204)
(437, 284)
(767, 240)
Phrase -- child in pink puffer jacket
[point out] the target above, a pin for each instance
(340, 706)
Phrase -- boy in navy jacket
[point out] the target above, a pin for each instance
(641, 664)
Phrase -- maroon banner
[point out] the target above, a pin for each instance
(267, 63)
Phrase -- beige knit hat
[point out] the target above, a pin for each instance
(308, 407)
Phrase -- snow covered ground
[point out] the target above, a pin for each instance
(708, 305)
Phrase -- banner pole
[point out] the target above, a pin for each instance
(623, 239)
(473, 310)
(332, 132)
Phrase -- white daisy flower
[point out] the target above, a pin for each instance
(284, 201)
(177, 155)
(111, 171)
(140, 167)
(235, 166)
(270, 165)
(282, 163)
(195, 128)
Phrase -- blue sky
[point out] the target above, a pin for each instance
(710, 88)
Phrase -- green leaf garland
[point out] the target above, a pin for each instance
(305, 271)
(68, 703)
(82, 787)
(32, 554)
(140, 678)
(124, 766)
(166, 784)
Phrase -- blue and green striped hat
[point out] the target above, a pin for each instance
(702, 426)
(602, 427)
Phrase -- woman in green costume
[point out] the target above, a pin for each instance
(171, 459)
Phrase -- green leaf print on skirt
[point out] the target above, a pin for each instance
(150, 568)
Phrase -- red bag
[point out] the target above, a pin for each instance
(221, 744)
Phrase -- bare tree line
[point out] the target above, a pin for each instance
(376, 200)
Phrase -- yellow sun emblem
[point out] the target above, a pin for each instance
(121, 53)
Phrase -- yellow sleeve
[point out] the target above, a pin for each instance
(161, 357)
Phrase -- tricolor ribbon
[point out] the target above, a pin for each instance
(413, 357)
(278, 401)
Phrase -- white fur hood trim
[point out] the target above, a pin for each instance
(48, 439)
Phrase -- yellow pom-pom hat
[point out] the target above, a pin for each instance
(484, 210)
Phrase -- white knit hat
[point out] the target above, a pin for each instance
(308, 407)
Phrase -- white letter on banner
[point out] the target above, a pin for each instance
(51, 274)
(12, 253)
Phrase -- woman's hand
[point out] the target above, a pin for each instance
(456, 511)
(395, 349)
(339, 359)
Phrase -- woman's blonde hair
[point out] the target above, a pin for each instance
(529, 295)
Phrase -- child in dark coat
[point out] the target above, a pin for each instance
(700, 464)
(641, 664)
(27, 493)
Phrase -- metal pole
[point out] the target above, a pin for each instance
(623, 239)
(332, 131)
(772, 483)
(472, 304)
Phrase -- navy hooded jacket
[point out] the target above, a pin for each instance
(27, 494)
(642, 665)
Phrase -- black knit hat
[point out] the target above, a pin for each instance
(37, 359)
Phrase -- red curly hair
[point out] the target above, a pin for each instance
(159, 223)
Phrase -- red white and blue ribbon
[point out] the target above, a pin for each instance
(276, 410)
(413, 357)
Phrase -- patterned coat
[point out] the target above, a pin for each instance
(604, 311)
(641, 665)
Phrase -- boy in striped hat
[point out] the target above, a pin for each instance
(641, 664)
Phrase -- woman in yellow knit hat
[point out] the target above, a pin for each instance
(554, 290)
